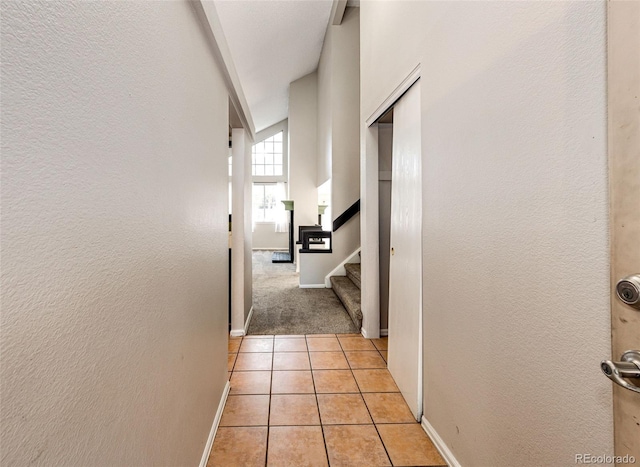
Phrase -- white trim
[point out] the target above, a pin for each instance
(337, 12)
(383, 332)
(395, 95)
(243, 332)
(208, 16)
(339, 270)
(439, 443)
(214, 427)
(313, 286)
(240, 229)
(370, 229)
(246, 325)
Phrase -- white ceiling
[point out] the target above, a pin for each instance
(272, 43)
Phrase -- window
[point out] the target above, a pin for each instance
(264, 202)
(267, 157)
(269, 174)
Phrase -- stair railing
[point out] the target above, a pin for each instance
(346, 215)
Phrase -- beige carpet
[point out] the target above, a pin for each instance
(281, 307)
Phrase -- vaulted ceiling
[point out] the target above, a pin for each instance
(273, 42)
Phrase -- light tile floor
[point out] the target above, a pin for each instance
(316, 400)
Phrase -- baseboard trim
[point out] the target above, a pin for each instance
(383, 332)
(214, 427)
(246, 325)
(243, 332)
(339, 270)
(312, 286)
(439, 443)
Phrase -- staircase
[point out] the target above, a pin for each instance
(347, 288)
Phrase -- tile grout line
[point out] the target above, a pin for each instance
(313, 380)
(375, 426)
(311, 369)
(266, 450)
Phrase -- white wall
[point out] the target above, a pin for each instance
(303, 121)
(324, 110)
(345, 98)
(266, 238)
(515, 209)
(114, 234)
(338, 141)
(241, 266)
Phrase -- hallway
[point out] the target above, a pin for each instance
(316, 400)
(128, 133)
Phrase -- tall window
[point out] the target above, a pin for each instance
(264, 202)
(269, 173)
(268, 157)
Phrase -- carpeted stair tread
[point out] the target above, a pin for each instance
(353, 273)
(349, 295)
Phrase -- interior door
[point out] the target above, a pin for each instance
(405, 266)
(624, 162)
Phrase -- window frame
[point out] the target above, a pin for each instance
(264, 135)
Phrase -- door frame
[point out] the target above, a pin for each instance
(623, 83)
(369, 216)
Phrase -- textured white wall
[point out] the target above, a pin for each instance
(324, 110)
(303, 122)
(338, 141)
(345, 101)
(114, 234)
(266, 238)
(516, 296)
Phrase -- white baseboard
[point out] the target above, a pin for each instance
(243, 332)
(339, 270)
(249, 316)
(214, 427)
(383, 332)
(312, 286)
(440, 445)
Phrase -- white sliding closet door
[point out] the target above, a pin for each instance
(405, 267)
